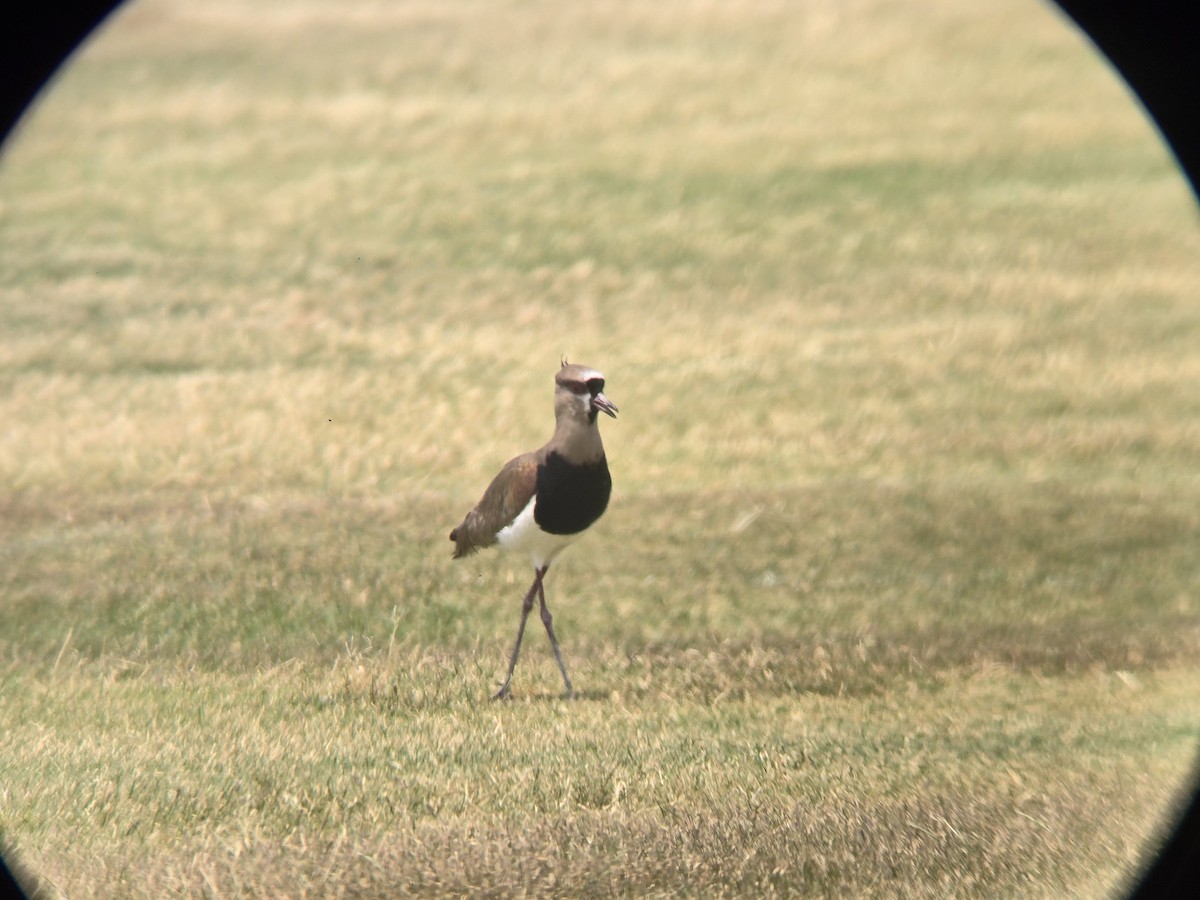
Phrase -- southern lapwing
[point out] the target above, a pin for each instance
(541, 501)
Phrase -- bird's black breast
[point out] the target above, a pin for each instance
(570, 497)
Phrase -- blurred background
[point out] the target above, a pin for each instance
(899, 309)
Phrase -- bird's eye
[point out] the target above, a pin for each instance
(577, 387)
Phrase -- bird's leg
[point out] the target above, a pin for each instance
(547, 620)
(526, 606)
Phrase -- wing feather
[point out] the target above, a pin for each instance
(508, 494)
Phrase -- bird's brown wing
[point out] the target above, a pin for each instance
(508, 494)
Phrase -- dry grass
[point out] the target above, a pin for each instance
(980, 779)
(897, 593)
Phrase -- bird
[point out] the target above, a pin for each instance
(541, 501)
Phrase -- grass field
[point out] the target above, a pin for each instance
(898, 591)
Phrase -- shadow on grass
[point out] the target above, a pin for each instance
(589, 696)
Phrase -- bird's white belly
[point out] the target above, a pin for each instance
(524, 536)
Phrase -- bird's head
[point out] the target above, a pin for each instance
(579, 392)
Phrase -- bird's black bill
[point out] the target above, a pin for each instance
(603, 404)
